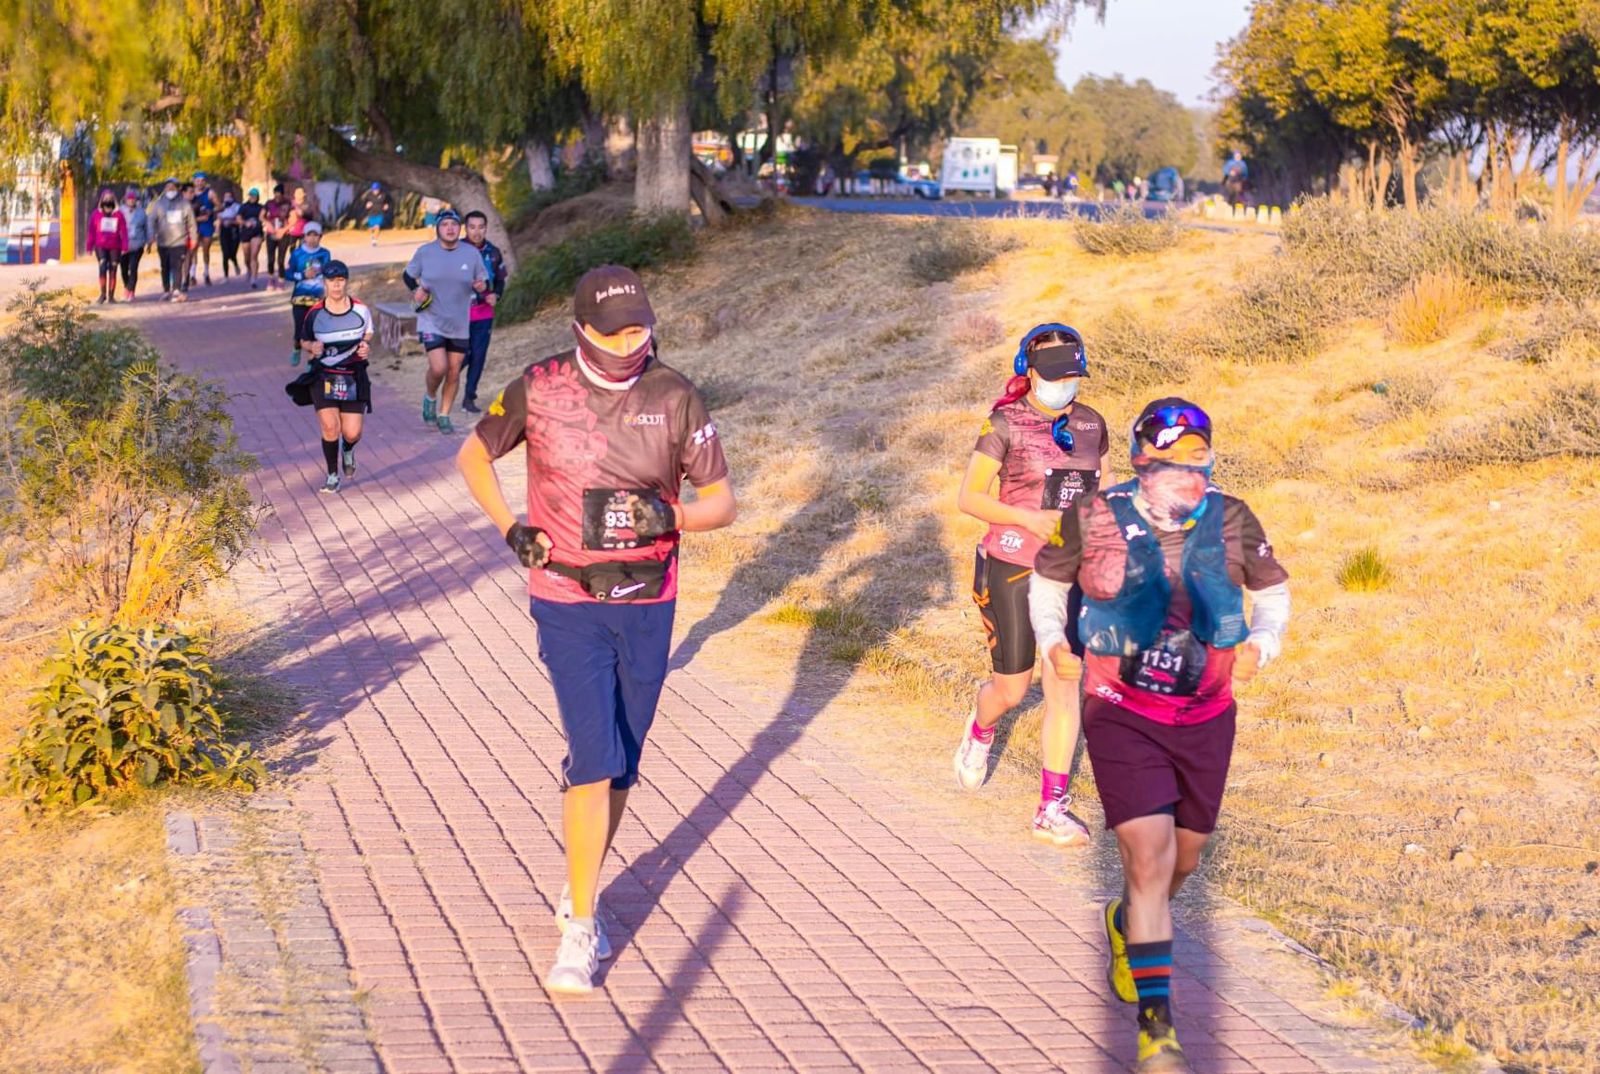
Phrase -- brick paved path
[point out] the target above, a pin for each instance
(771, 913)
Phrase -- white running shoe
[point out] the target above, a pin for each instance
(972, 759)
(564, 918)
(1055, 823)
(577, 961)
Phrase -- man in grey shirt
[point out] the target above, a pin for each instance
(174, 233)
(443, 275)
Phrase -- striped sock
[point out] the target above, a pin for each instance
(1152, 976)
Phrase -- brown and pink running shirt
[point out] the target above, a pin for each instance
(588, 447)
(1035, 473)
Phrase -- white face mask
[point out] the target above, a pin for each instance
(171, 194)
(1056, 394)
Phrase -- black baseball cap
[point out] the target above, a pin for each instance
(611, 298)
(334, 269)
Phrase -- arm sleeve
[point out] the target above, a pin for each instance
(290, 272)
(506, 424)
(703, 461)
(480, 271)
(994, 435)
(1269, 618)
(412, 273)
(500, 274)
(1047, 610)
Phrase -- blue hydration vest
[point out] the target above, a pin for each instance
(1130, 622)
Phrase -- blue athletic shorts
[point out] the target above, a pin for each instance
(607, 663)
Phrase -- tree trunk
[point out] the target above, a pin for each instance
(661, 184)
(715, 207)
(257, 169)
(1559, 215)
(1407, 160)
(620, 147)
(465, 190)
(536, 153)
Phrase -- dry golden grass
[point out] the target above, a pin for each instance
(1431, 306)
(1448, 717)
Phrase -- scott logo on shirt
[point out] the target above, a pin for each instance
(644, 419)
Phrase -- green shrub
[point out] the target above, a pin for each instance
(1281, 312)
(1363, 571)
(1376, 253)
(1560, 421)
(550, 274)
(945, 248)
(55, 352)
(1134, 352)
(132, 510)
(1559, 329)
(1123, 230)
(123, 708)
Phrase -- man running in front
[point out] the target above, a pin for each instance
(444, 276)
(1163, 561)
(611, 433)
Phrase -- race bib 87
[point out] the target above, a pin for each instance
(1064, 488)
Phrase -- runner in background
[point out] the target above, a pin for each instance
(481, 317)
(1164, 561)
(374, 210)
(610, 434)
(138, 238)
(251, 232)
(443, 276)
(228, 234)
(205, 222)
(1039, 452)
(108, 238)
(337, 334)
(304, 270)
(275, 220)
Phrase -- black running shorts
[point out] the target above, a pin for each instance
(1001, 592)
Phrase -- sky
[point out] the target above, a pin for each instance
(1173, 43)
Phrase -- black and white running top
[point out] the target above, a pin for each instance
(339, 333)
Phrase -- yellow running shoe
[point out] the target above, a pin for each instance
(1118, 973)
(1160, 1052)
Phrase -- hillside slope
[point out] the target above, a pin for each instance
(1416, 786)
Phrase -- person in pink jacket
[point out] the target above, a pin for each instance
(108, 238)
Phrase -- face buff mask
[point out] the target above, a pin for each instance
(171, 194)
(1056, 394)
(611, 370)
(1170, 494)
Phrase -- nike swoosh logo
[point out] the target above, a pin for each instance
(622, 591)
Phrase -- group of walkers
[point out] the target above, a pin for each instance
(184, 222)
(1132, 592)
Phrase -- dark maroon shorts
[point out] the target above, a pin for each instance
(1143, 767)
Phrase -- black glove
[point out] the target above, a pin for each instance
(524, 541)
(652, 516)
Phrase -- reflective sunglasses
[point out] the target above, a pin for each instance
(1166, 426)
(1061, 434)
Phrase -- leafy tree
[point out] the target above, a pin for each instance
(1146, 128)
(73, 63)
